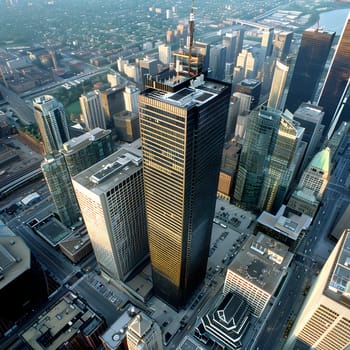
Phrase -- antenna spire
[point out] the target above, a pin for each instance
(191, 25)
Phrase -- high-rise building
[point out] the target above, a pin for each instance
(83, 151)
(230, 42)
(112, 102)
(278, 85)
(147, 66)
(267, 40)
(252, 88)
(164, 52)
(217, 61)
(144, 333)
(324, 320)
(58, 180)
(92, 110)
(307, 197)
(131, 94)
(127, 126)
(111, 197)
(181, 145)
(248, 62)
(312, 56)
(51, 119)
(257, 271)
(335, 91)
(267, 161)
(310, 118)
(281, 45)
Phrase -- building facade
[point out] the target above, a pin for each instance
(312, 56)
(324, 320)
(111, 197)
(278, 85)
(181, 145)
(92, 110)
(58, 180)
(336, 90)
(51, 119)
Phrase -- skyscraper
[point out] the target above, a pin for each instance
(58, 180)
(281, 45)
(164, 52)
(91, 107)
(83, 151)
(111, 197)
(324, 320)
(252, 88)
(217, 61)
(267, 39)
(182, 132)
(278, 85)
(337, 82)
(144, 333)
(230, 42)
(313, 52)
(267, 160)
(51, 119)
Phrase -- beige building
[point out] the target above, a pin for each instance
(257, 271)
(144, 334)
(324, 320)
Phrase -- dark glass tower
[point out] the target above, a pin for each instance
(182, 132)
(336, 84)
(312, 56)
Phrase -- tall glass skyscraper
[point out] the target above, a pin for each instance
(313, 52)
(51, 119)
(182, 132)
(337, 83)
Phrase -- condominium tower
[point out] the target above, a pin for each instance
(92, 109)
(110, 194)
(182, 125)
(313, 52)
(278, 85)
(51, 119)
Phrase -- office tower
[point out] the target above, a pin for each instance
(252, 88)
(147, 66)
(281, 45)
(278, 85)
(91, 108)
(181, 144)
(111, 197)
(51, 119)
(67, 324)
(282, 163)
(113, 79)
(217, 62)
(131, 94)
(312, 56)
(232, 116)
(308, 194)
(58, 180)
(257, 271)
(230, 42)
(267, 160)
(164, 52)
(112, 102)
(127, 126)
(266, 41)
(248, 62)
(83, 151)
(324, 320)
(144, 333)
(226, 323)
(310, 118)
(336, 86)
(229, 166)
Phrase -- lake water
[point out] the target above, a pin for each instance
(334, 20)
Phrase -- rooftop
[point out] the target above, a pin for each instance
(262, 261)
(114, 169)
(59, 324)
(198, 93)
(340, 278)
(14, 259)
(322, 160)
(286, 222)
(81, 141)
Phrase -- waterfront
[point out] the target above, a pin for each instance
(334, 20)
